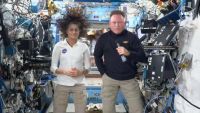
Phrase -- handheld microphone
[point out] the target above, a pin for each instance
(123, 58)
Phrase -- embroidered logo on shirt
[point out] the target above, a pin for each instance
(64, 51)
(125, 42)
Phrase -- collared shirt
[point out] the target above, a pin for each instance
(65, 56)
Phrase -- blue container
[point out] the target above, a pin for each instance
(25, 22)
(94, 96)
(35, 6)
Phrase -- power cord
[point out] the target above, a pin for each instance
(188, 100)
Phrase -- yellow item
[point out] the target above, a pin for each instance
(51, 7)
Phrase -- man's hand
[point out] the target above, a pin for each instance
(122, 51)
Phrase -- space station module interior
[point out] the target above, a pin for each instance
(168, 30)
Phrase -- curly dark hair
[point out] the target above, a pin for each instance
(74, 16)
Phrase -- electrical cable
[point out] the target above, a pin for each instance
(152, 101)
(197, 9)
(188, 100)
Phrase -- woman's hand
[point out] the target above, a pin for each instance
(75, 72)
(72, 72)
(68, 72)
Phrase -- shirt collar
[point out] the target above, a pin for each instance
(121, 34)
(76, 44)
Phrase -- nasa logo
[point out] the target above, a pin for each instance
(64, 51)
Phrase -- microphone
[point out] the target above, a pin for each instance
(123, 58)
